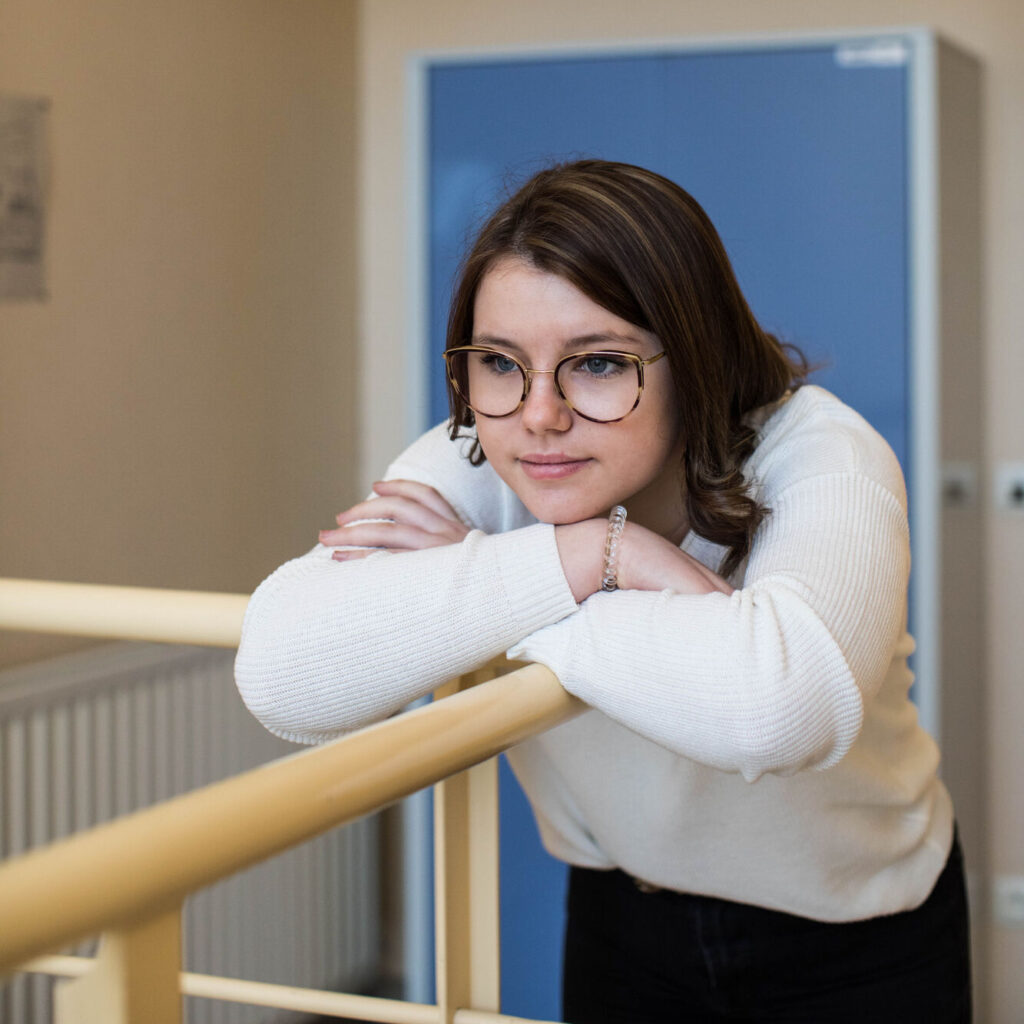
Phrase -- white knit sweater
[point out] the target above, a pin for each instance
(759, 747)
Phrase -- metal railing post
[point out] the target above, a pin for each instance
(135, 979)
(466, 895)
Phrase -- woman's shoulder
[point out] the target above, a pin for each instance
(433, 453)
(477, 494)
(810, 433)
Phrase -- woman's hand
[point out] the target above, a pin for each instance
(406, 516)
(647, 561)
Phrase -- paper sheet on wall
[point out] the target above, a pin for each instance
(24, 186)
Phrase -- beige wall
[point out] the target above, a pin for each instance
(180, 412)
(391, 30)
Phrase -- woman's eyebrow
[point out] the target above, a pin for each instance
(600, 340)
(603, 339)
(491, 341)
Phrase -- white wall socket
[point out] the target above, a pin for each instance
(1008, 900)
(1009, 487)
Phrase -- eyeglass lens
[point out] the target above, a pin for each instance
(599, 385)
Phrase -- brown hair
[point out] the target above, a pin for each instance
(641, 247)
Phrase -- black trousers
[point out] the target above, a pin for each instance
(646, 958)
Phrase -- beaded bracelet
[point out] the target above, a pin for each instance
(610, 575)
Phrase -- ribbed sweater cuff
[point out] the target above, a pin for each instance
(531, 576)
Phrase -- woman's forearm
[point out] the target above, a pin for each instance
(769, 678)
(328, 647)
(645, 562)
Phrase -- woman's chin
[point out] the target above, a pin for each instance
(564, 516)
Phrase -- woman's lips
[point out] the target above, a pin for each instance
(551, 467)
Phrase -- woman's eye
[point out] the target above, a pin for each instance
(499, 363)
(600, 365)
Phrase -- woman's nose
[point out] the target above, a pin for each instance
(544, 408)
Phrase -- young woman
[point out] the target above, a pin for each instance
(750, 808)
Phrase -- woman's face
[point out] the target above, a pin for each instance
(563, 467)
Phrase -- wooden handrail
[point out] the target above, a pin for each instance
(122, 613)
(120, 872)
(127, 879)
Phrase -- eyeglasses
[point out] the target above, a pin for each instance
(600, 386)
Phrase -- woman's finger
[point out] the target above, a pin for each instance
(354, 555)
(403, 516)
(423, 494)
(359, 535)
(393, 507)
(382, 534)
(392, 534)
(397, 507)
(358, 553)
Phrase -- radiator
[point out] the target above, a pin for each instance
(90, 736)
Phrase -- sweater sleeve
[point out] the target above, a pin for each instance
(331, 646)
(328, 647)
(773, 677)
